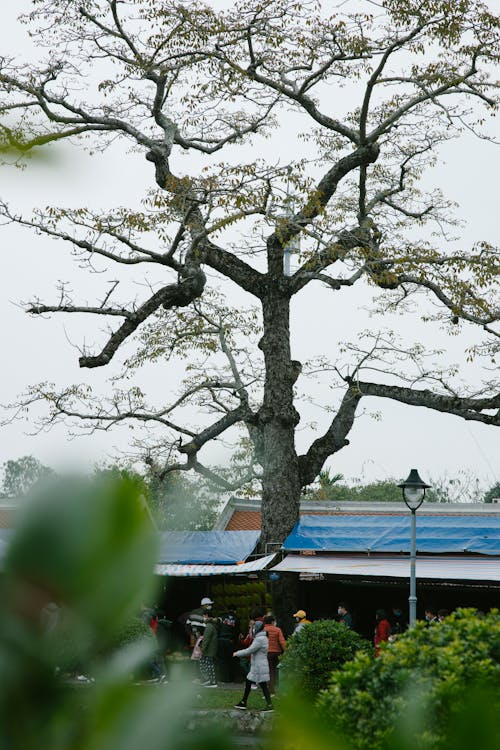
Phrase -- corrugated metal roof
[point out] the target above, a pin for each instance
(190, 571)
(482, 569)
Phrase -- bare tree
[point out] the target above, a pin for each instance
(171, 78)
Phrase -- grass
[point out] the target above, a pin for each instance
(221, 698)
(216, 698)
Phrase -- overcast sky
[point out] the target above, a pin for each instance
(36, 350)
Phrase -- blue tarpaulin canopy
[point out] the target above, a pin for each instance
(391, 533)
(203, 547)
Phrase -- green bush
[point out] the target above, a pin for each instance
(316, 650)
(132, 631)
(428, 671)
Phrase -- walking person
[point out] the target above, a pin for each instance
(276, 647)
(259, 666)
(208, 653)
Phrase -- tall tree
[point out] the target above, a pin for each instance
(21, 474)
(493, 494)
(170, 78)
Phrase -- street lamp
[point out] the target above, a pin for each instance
(413, 494)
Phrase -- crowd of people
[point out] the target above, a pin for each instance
(224, 653)
(222, 650)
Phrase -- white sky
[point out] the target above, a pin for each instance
(36, 350)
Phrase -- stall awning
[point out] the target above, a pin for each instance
(189, 571)
(391, 533)
(433, 568)
(206, 547)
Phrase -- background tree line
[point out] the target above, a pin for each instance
(179, 501)
(176, 501)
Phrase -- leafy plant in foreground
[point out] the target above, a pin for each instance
(318, 649)
(425, 676)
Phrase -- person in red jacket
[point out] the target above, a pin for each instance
(382, 629)
(277, 645)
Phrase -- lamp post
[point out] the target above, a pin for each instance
(413, 494)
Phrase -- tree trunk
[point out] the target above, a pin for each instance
(281, 487)
(277, 421)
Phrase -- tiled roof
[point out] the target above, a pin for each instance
(244, 520)
(250, 520)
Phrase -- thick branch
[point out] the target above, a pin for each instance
(203, 250)
(468, 408)
(304, 101)
(117, 311)
(216, 429)
(317, 202)
(334, 251)
(455, 308)
(234, 268)
(194, 465)
(174, 295)
(334, 439)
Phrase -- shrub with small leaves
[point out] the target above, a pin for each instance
(428, 673)
(316, 650)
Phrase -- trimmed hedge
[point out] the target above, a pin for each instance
(428, 670)
(318, 649)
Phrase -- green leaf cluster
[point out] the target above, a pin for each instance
(424, 677)
(317, 650)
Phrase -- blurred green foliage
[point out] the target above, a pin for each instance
(77, 570)
(76, 573)
(421, 686)
(316, 650)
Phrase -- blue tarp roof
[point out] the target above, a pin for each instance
(369, 533)
(202, 547)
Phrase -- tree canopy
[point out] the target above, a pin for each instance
(21, 475)
(367, 92)
(493, 494)
(462, 488)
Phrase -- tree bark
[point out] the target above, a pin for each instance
(277, 419)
